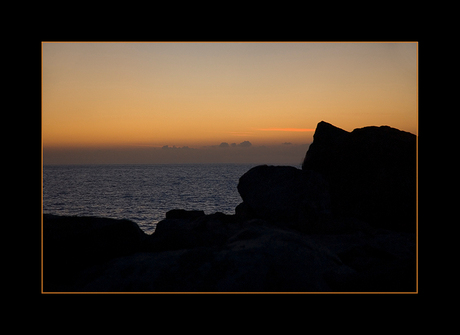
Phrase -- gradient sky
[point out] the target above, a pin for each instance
(122, 96)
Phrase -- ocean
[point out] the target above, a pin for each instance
(141, 193)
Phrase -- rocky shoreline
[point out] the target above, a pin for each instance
(345, 222)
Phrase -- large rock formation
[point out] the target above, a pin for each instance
(371, 172)
(285, 195)
(366, 175)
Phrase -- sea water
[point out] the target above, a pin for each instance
(140, 193)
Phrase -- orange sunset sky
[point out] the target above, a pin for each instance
(123, 97)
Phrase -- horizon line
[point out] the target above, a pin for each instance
(287, 129)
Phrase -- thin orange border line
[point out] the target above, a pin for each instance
(416, 179)
(41, 167)
(216, 292)
(217, 41)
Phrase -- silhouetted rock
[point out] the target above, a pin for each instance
(185, 233)
(220, 253)
(286, 195)
(259, 257)
(71, 244)
(183, 214)
(256, 258)
(371, 172)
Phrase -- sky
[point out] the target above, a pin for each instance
(217, 102)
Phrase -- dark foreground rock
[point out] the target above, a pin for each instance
(256, 258)
(344, 223)
(72, 244)
(226, 255)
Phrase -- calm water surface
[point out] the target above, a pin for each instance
(141, 193)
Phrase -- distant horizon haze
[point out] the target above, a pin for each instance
(284, 153)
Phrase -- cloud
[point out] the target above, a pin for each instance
(286, 129)
(245, 144)
(167, 147)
